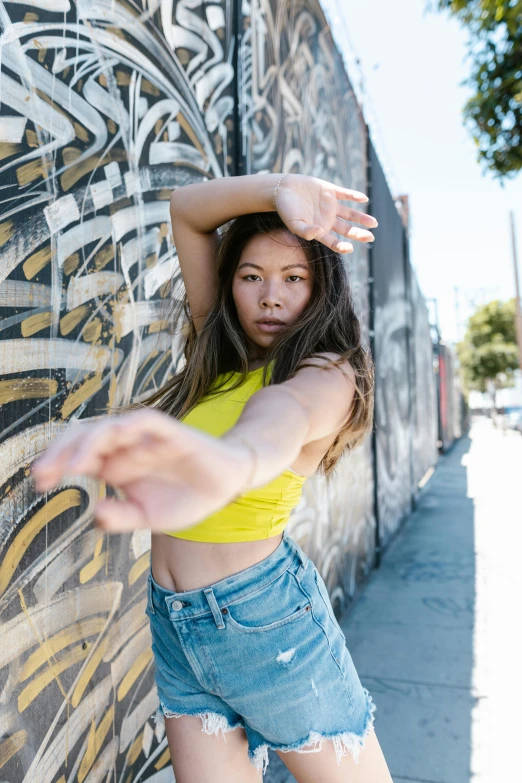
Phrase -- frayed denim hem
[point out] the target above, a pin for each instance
(213, 722)
(344, 742)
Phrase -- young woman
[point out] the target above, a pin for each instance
(275, 386)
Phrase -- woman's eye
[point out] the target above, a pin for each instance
(296, 277)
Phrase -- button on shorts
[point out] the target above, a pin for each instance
(260, 649)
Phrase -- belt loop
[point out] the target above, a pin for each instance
(302, 558)
(149, 595)
(211, 598)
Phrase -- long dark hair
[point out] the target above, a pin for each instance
(327, 324)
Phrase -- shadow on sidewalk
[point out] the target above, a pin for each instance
(410, 634)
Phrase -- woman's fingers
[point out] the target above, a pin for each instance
(352, 232)
(119, 516)
(348, 194)
(355, 216)
(85, 450)
(50, 465)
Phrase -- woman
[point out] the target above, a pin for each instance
(275, 386)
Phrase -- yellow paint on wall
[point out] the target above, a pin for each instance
(56, 667)
(69, 498)
(70, 154)
(75, 173)
(27, 389)
(134, 750)
(141, 662)
(8, 148)
(113, 387)
(71, 319)
(11, 746)
(81, 131)
(138, 568)
(187, 127)
(33, 170)
(35, 323)
(82, 393)
(95, 742)
(31, 138)
(88, 672)
(6, 231)
(71, 263)
(103, 256)
(91, 569)
(98, 546)
(36, 262)
(149, 88)
(163, 759)
(51, 646)
(158, 326)
(92, 331)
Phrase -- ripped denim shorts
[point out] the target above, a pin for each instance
(262, 650)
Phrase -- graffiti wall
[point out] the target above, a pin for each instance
(391, 353)
(106, 107)
(423, 391)
(105, 110)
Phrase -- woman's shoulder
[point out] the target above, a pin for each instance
(328, 359)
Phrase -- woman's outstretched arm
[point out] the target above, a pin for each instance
(171, 475)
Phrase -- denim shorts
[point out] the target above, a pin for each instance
(260, 649)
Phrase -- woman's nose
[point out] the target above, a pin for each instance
(271, 297)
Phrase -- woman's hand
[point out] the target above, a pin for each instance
(171, 475)
(312, 209)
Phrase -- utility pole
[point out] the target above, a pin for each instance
(518, 313)
(457, 314)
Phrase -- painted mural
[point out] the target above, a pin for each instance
(422, 386)
(391, 354)
(105, 108)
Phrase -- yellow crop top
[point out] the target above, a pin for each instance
(264, 511)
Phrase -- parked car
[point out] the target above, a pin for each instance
(514, 420)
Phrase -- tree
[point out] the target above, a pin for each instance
(493, 114)
(488, 354)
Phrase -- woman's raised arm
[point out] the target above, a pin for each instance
(310, 207)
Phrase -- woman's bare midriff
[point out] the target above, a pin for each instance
(180, 565)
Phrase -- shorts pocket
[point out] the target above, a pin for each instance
(270, 607)
(323, 592)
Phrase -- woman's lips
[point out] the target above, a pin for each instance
(269, 327)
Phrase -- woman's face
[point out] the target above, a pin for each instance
(273, 281)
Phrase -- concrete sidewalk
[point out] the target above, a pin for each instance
(434, 631)
(432, 634)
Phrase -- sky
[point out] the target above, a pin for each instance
(411, 67)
